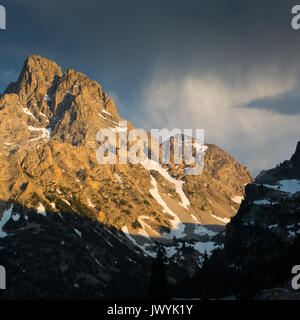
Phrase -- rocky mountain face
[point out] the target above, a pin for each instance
(266, 229)
(262, 241)
(90, 229)
(270, 211)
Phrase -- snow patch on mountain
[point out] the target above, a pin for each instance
(224, 220)
(41, 210)
(273, 226)
(290, 186)
(170, 251)
(16, 217)
(104, 111)
(66, 201)
(238, 199)
(47, 98)
(46, 133)
(43, 115)
(194, 218)
(78, 233)
(178, 226)
(27, 112)
(202, 231)
(152, 165)
(144, 224)
(119, 180)
(208, 246)
(142, 247)
(142, 231)
(5, 218)
(263, 202)
(119, 129)
(200, 146)
(90, 203)
(102, 116)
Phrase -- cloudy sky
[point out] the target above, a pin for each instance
(231, 67)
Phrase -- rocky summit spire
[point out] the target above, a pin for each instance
(68, 104)
(36, 72)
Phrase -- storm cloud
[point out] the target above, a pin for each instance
(285, 103)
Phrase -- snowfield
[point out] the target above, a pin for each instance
(224, 220)
(178, 227)
(238, 199)
(143, 248)
(142, 231)
(290, 186)
(202, 231)
(208, 246)
(46, 133)
(26, 111)
(152, 165)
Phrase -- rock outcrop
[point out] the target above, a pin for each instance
(277, 294)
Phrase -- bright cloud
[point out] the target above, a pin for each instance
(256, 137)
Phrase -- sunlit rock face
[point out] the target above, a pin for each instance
(50, 174)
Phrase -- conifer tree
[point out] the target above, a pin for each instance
(158, 287)
(204, 291)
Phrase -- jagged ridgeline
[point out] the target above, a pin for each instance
(61, 212)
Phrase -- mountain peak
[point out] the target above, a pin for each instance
(289, 169)
(36, 71)
(296, 155)
(34, 59)
(42, 69)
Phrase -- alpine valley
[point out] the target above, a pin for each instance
(71, 228)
